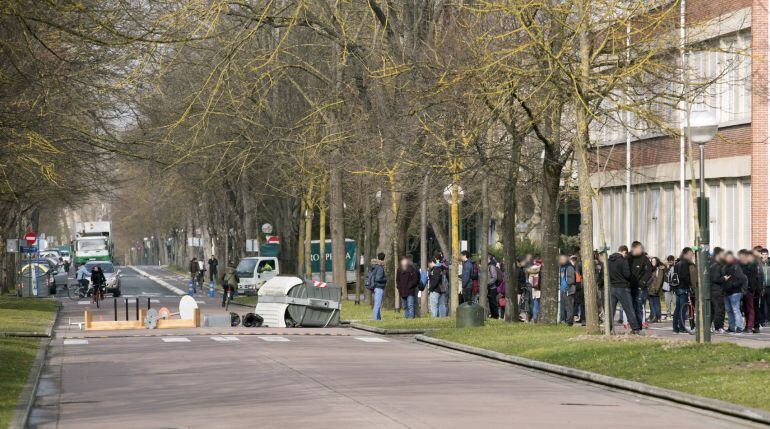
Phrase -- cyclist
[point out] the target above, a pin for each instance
(229, 282)
(81, 276)
(98, 280)
(194, 268)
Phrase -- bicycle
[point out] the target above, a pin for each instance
(98, 294)
(228, 298)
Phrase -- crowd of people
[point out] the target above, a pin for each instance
(641, 287)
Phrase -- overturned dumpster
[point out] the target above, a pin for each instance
(287, 301)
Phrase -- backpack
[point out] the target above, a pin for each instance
(672, 278)
(423, 279)
(369, 280)
(578, 277)
(474, 271)
(443, 287)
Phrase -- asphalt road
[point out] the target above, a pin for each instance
(348, 379)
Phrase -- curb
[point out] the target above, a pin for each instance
(20, 417)
(713, 405)
(384, 331)
(48, 331)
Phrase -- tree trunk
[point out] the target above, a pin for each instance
(367, 250)
(484, 267)
(549, 271)
(337, 214)
(508, 231)
(586, 195)
(424, 241)
(395, 238)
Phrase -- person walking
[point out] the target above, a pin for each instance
(683, 282)
(466, 280)
(229, 281)
(492, 287)
(567, 290)
(194, 269)
(377, 280)
(732, 288)
(407, 280)
(764, 298)
(579, 302)
(641, 271)
(437, 287)
(717, 277)
(654, 287)
(620, 288)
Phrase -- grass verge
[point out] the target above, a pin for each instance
(17, 354)
(723, 371)
(25, 314)
(16, 357)
(391, 319)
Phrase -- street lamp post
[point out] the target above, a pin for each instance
(701, 128)
(453, 195)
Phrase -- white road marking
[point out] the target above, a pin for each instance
(273, 338)
(156, 301)
(372, 339)
(225, 339)
(75, 342)
(176, 340)
(159, 281)
(199, 301)
(150, 294)
(84, 302)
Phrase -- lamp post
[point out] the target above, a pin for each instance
(701, 128)
(453, 195)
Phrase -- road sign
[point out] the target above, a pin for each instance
(11, 245)
(30, 237)
(28, 249)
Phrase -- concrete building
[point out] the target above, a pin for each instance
(730, 46)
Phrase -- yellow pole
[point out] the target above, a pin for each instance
(455, 257)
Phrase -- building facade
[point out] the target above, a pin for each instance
(728, 50)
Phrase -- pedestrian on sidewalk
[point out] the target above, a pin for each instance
(752, 276)
(492, 287)
(764, 298)
(194, 269)
(718, 278)
(377, 279)
(466, 276)
(213, 268)
(733, 287)
(438, 286)
(655, 286)
(407, 280)
(684, 283)
(641, 271)
(620, 288)
(567, 290)
(668, 291)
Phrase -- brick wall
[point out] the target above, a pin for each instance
(759, 191)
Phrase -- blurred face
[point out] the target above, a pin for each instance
(654, 262)
(763, 256)
(562, 260)
(404, 263)
(730, 259)
(637, 251)
(745, 259)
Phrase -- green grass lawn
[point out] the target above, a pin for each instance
(25, 314)
(17, 354)
(721, 371)
(16, 357)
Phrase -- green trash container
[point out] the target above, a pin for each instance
(470, 315)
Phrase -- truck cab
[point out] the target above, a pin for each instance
(254, 271)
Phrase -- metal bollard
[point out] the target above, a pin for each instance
(115, 307)
(190, 288)
(126, 300)
(148, 303)
(211, 289)
(137, 308)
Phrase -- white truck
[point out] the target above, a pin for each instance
(93, 241)
(254, 271)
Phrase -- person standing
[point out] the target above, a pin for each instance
(718, 278)
(437, 288)
(620, 288)
(213, 268)
(492, 287)
(752, 280)
(732, 289)
(579, 302)
(407, 280)
(534, 280)
(683, 283)
(764, 296)
(465, 276)
(378, 281)
(641, 271)
(668, 292)
(655, 285)
(567, 290)
(194, 269)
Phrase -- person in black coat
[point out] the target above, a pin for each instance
(641, 272)
(717, 277)
(733, 289)
(620, 283)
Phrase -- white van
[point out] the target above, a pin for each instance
(254, 271)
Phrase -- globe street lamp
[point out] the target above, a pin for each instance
(453, 195)
(701, 128)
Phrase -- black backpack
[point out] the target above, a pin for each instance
(369, 280)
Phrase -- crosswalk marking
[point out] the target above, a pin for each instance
(84, 302)
(72, 342)
(273, 338)
(372, 339)
(225, 339)
(176, 340)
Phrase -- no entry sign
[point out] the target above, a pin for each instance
(30, 238)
